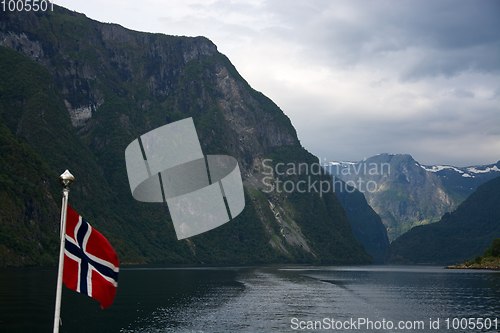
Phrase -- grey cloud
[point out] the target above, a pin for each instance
(496, 95)
(226, 7)
(379, 83)
(441, 135)
(449, 63)
(455, 24)
(462, 93)
(449, 37)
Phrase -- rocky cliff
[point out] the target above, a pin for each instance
(406, 193)
(458, 236)
(77, 92)
(399, 190)
(366, 225)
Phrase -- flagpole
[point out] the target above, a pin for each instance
(66, 179)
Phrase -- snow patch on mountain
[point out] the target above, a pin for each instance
(437, 168)
(488, 169)
(339, 163)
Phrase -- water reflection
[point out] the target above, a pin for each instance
(249, 299)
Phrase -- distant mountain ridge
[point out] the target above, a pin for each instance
(405, 193)
(458, 236)
(464, 179)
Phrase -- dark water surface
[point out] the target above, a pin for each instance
(282, 298)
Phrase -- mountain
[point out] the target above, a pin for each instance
(464, 180)
(75, 92)
(28, 233)
(458, 236)
(401, 192)
(405, 193)
(365, 223)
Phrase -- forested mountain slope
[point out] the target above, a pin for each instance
(458, 236)
(75, 92)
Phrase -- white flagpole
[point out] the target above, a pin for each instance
(66, 179)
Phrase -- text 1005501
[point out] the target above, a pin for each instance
(27, 5)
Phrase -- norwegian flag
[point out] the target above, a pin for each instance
(90, 263)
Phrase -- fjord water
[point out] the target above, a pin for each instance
(254, 299)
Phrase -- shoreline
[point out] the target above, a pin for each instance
(486, 263)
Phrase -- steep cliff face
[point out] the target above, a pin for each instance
(399, 190)
(458, 236)
(111, 85)
(366, 225)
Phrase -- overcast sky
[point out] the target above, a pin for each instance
(356, 78)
